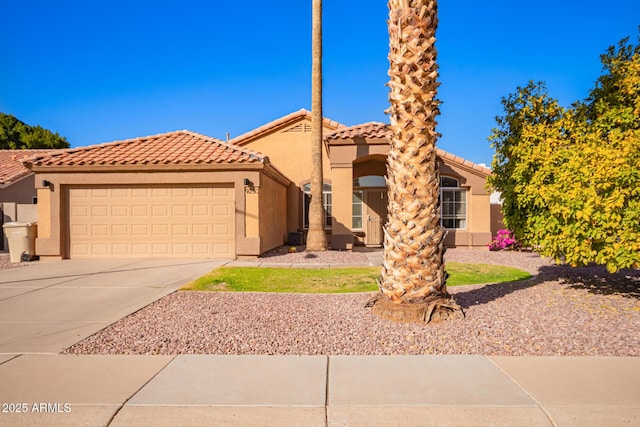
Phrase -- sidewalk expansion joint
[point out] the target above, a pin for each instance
(326, 393)
(120, 407)
(540, 405)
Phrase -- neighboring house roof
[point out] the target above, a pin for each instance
(377, 130)
(280, 123)
(11, 166)
(173, 148)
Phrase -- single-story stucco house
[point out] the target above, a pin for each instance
(183, 194)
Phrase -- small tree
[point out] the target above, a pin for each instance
(570, 178)
(17, 135)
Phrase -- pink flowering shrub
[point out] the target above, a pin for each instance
(504, 240)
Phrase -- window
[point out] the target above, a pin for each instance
(374, 181)
(357, 208)
(326, 198)
(453, 204)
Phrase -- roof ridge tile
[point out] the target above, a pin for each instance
(375, 129)
(281, 121)
(177, 147)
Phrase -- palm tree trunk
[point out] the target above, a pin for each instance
(316, 237)
(413, 282)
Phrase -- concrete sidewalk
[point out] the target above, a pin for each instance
(200, 390)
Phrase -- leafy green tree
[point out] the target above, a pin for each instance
(17, 135)
(570, 177)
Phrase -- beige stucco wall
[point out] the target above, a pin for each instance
(44, 212)
(21, 191)
(52, 241)
(252, 212)
(273, 214)
(289, 150)
(342, 193)
(497, 222)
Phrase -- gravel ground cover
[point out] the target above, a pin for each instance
(5, 262)
(562, 311)
(283, 256)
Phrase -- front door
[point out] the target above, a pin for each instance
(376, 215)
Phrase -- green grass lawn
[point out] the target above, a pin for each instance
(335, 280)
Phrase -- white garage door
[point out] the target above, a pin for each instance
(159, 221)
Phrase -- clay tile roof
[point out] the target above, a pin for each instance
(177, 148)
(377, 130)
(11, 166)
(366, 130)
(282, 121)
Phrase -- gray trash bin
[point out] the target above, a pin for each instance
(22, 240)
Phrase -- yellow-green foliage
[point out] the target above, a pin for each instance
(570, 177)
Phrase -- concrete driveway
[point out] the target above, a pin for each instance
(48, 306)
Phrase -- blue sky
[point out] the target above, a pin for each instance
(97, 71)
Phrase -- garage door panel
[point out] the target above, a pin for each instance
(179, 192)
(221, 230)
(140, 193)
(80, 230)
(200, 192)
(180, 210)
(100, 249)
(220, 210)
(180, 249)
(201, 230)
(222, 193)
(80, 249)
(221, 248)
(99, 230)
(160, 249)
(140, 230)
(140, 211)
(200, 210)
(119, 210)
(120, 249)
(100, 193)
(180, 230)
(140, 249)
(119, 193)
(177, 221)
(120, 230)
(159, 211)
(79, 211)
(99, 210)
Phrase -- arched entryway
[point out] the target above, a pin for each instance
(369, 207)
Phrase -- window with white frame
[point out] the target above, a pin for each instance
(357, 222)
(326, 200)
(453, 204)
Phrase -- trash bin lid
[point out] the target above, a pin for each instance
(17, 224)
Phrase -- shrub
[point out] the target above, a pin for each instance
(504, 240)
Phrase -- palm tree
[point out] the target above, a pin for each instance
(316, 237)
(412, 285)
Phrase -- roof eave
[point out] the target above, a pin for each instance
(146, 167)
